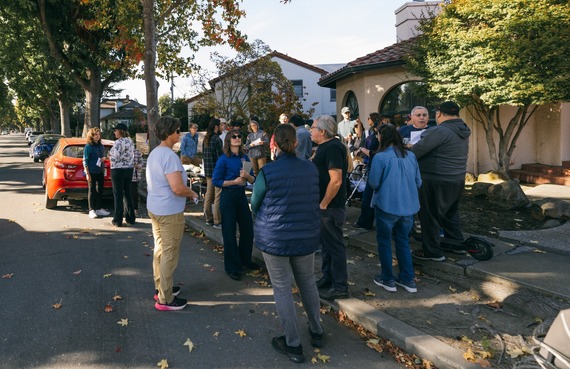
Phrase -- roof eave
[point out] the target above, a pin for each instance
(330, 80)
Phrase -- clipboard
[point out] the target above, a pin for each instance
(247, 166)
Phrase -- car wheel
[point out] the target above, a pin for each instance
(50, 203)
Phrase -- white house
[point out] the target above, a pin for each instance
(303, 76)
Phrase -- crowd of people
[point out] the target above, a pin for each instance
(298, 200)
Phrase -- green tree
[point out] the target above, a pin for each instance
(487, 54)
(249, 84)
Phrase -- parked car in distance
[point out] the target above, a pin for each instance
(32, 136)
(42, 146)
(63, 176)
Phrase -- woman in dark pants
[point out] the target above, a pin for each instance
(230, 176)
(122, 160)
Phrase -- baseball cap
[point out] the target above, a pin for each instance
(344, 110)
(120, 126)
(448, 107)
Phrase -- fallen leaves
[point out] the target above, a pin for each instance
(57, 305)
(189, 344)
(320, 357)
(469, 355)
(163, 364)
(107, 275)
(368, 293)
(241, 333)
(77, 272)
(108, 308)
(123, 322)
(7, 276)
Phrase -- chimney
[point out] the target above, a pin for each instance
(408, 17)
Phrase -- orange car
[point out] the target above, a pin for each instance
(63, 176)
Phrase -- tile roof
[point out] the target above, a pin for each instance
(388, 56)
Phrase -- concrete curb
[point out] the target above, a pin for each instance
(401, 334)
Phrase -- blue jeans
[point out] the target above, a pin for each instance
(235, 209)
(333, 249)
(302, 269)
(121, 179)
(400, 227)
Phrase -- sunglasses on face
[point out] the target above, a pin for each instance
(236, 136)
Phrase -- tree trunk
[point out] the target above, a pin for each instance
(92, 101)
(64, 108)
(150, 71)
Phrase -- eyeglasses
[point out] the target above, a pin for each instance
(178, 131)
(236, 136)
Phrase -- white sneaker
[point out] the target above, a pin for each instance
(93, 214)
(102, 212)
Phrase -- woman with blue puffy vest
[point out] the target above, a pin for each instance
(287, 227)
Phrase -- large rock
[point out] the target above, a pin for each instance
(480, 188)
(550, 208)
(508, 195)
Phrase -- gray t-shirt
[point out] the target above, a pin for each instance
(160, 198)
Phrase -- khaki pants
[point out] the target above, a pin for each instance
(212, 196)
(167, 231)
(186, 160)
(257, 164)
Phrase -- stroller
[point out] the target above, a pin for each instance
(553, 350)
(356, 183)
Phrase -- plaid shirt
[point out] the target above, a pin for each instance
(211, 153)
(138, 160)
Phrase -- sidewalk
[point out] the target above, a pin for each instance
(529, 273)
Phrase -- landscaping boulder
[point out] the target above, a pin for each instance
(508, 195)
(550, 208)
(480, 188)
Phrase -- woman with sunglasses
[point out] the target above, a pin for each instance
(230, 176)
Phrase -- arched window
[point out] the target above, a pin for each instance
(400, 100)
(352, 104)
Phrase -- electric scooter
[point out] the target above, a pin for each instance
(479, 248)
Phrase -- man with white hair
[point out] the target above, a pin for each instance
(331, 159)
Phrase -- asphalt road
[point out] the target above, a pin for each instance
(61, 258)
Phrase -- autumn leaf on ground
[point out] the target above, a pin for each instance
(468, 340)
(189, 344)
(108, 308)
(537, 251)
(485, 354)
(123, 322)
(452, 289)
(216, 334)
(77, 272)
(206, 265)
(469, 355)
(117, 297)
(483, 318)
(367, 292)
(163, 364)
(118, 349)
(125, 256)
(241, 333)
(7, 276)
(57, 305)
(495, 305)
(351, 262)
(484, 363)
(371, 255)
(107, 275)
(427, 364)
(323, 358)
(516, 352)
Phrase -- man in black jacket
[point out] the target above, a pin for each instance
(442, 156)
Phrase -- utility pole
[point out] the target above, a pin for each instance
(170, 109)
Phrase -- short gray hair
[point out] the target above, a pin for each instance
(192, 125)
(418, 108)
(327, 124)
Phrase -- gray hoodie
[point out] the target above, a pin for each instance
(442, 151)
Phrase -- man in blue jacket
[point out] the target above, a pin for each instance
(442, 156)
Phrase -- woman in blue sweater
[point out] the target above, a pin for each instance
(395, 179)
(285, 200)
(94, 167)
(230, 176)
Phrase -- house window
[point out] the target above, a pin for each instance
(332, 94)
(298, 87)
(400, 100)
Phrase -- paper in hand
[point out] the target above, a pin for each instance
(247, 166)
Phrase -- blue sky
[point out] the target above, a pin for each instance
(313, 31)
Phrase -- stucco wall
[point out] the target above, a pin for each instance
(545, 139)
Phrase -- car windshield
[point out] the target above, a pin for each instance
(73, 151)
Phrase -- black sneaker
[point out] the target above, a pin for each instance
(176, 304)
(422, 255)
(316, 339)
(333, 294)
(323, 283)
(295, 354)
(175, 292)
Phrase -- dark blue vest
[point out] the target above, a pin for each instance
(288, 221)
